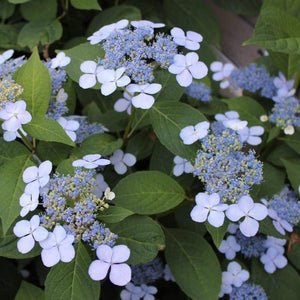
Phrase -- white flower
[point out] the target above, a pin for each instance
(277, 244)
(123, 104)
(148, 291)
(69, 126)
(221, 72)
(105, 31)
(208, 207)
(15, 115)
(120, 273)
(37, 177)
(57, 247)
(191, 134)
(251, 135)
(108, 194)
(131, 292)
(121, 160)
(263, 118)
(235, 275)
(289, 130)
(29, 202)
(143, 99)
(231, 120)
(101, 185)
(91, 161)
(252, 212)
(284, 88)
(229, 247)
(61, 60)
(6, 55)
(146, 24)
(91, 69)
(61, 96)
(29, 231)
(182, 165)
(111, 79)
(190, 41)
(9, 136)
(168, 276)
(280, 224)
(272, 260)
(187, 67)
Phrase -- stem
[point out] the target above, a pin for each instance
(137, 124)
(46, 52)
(26, 141)
(125, 136)
(65, 6)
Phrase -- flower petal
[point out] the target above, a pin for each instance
(98, 269)
(120, 254)
(249, 227)
(25, 244)
(120, 274)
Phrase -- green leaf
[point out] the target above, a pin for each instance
(78, 55)
(245, 7)
(18, 1)
(86, 4)
(65, 167)
(34, 77)
(114, 120)
(280, 151)
(193, 264)
(282, 284)
(112, 15)
(273, 133)
(292, 168)
(69, 88)
(29, 291)
(71, 280)
(9, 35)
(294, 254)
(9, 150)
(114, 214)
(48, 130)
(100, 143)
(142, 235)
(12, 187)
(55, 152)
(40, 31)
(293, 141)
(7, 9)
(193, 15)
(217, 234)
(249, 109)
(168, 118)
(272, 183)
(39, 10)
(266, 227)
(148, 192)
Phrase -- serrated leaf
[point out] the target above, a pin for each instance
(142, 235)
(196, 16)
(168, 118)
(29, 291)
(217, 234)
(282, 284)
(100, 143)
(12, 187)
(86, 4)
(114, 214)
(34, 77)
(48, 130)
(71, 280)
(292, 167)
(193, 264)
(9, 150)
(78, 55)
(112, 15)
(148, 192)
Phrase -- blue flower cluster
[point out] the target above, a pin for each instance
(253, 78)
(70, 201)
(286, 205)
(147, 272)
(139, 51)
(56, 109)
(86, 129)
(248, 291)
(199, 91)
(9, 67)
(58, 77)
(286, 113)
(9, 91)
(224, 168)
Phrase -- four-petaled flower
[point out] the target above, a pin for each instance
(29, 232)
(191, 134)
(114, 258)
(221, 72)
(252, 212)
(251, 135)
(208, 207)
(121, 160)
(91, 70)
(91, 161)
(57, 247)
(61, 60)
(235, 275)
(272, 260)
(123, 104)
(229, 247)
(29, 202)
(231, 120)
(190, 41)
(146, 24)
(188, 67)
(111, 79)
(182, 165)
(131, 292)
(69, 126)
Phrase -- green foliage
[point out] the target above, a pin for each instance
(12, 187)
(217, 234)
(86, 4)
(293, 141)
(142, 235)
(168, 118)
(292, 168)
(115, 214)
(34, 77)
(29, 291)
(193, 263)
(9, 151)
(294, 254)
(148, 192)
(39, 10)
(245, 7)
(71, 280)
(7, 9)
(9, 35)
